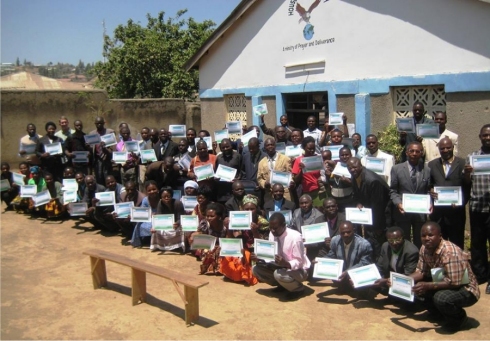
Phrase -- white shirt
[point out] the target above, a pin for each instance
(431, 150)
(291, 248)
(390, 161)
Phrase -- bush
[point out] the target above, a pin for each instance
(388, 142)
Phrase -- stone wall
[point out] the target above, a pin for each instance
(20, 107)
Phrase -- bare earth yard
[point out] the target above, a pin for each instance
(47, 293)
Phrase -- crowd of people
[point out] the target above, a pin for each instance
(413, 244)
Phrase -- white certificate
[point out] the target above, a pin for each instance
(335, 118)
(70, 185)
(18, 179)
(189, 202)
(185, 162)
(405, 124)
(294, 151)
(27, 191)
(80, 157)
(119, 157)
(108, 139)
(335, 150)
(240, 220)
(225, 173)
(69, 196)
(132, 146)
(234, 127)
(204, 172)
(348, 142)
(177, 130)
(163, 222)
(148, 155)
(231, 247)
(428, 130)
(281, 148)
(265, 249)
(203, 241)
(401, 286)
(260, 109)
(288, 216)
(248, 136)
(448, 195)
(41, 198)
(480, 164)
(77, 209)
(140, 215)
(365, 275)
(328, 268)
(189, 223)
(283, 178)
(207, 139)
(341, 170)
(376, 165)
(92, 139)
(123, 210)
(219, 135)
(28, 148)
(53, 148)
(357, 216)
(106, 198)
(315, 233)
(5, 185)
(416, 203)
(312, 163)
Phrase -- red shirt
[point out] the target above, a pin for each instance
(310, 179)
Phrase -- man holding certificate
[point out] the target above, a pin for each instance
(370, 191)
(50, 151)
(102, 154)
(28, 144)
(480, 209)
(446, 175)
(418, 111)
(431, 145)
(444, 279)
(354, 250)
(374, 152)
(410, 177)
(290, 263)
(231, 159)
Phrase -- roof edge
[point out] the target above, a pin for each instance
(241, 8)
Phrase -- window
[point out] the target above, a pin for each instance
(433, 98)
(236, 108)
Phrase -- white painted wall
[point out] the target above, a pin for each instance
(372, 39)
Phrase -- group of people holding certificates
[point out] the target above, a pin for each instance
(299, 205)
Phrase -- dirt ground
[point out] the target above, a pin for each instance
(47, 293)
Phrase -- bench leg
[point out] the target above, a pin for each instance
(192, 306)
(99, 274)
(138, 291)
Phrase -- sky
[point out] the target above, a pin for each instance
(66, 31)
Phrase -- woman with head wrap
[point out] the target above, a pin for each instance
(240, 269)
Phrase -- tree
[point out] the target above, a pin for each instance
(147, 62)
(17, 62)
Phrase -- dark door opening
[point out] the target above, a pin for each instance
(301, 105)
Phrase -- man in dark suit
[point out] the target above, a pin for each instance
(447, 170)
(165, 147)
(278, 202)
(411, 177)
(333, 219)
(371, 191)
(397, 255)
(250, 162)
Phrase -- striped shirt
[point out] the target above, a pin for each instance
(480, 189)
(453, 260)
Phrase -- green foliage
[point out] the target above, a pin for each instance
(388, 142)
(147, 62)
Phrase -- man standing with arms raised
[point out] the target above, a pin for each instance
(418, 111)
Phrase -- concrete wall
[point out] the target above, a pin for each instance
(21, 107)
(381, 112)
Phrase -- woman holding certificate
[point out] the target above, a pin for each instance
(50, 151)
(163, 239)
(202, 158)
(142, 231)
(20, 204)
(240, 269)
(54, 207)
(214, 226)
(308, 180)
(340, 181)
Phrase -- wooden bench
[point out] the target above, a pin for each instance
(190, 296)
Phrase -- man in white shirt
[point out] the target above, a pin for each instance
(28, 145)
(431, 145)
(290, 267)
(373, 151)
(313, 131)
